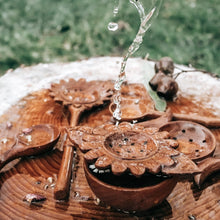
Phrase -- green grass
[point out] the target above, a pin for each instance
(33, 31)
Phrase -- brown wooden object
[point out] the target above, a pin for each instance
(137, 199)
(208, 166)
(78, 96)
(195, 141)
(131, 148)
(31, 141)
(38, 175)
(136, 103)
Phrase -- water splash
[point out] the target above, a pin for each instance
(146, 21)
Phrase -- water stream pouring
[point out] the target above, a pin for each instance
(146, 21)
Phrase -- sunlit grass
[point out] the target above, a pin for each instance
(33, 31)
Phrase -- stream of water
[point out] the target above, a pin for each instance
(146, 21)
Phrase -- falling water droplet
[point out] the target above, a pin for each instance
(115, 11)
(112, 26)
(116, 6)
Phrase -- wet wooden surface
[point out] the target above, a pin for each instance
(38, 174)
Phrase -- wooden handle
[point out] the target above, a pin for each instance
(206, 121)
(158, 122)
(61, 190)
(208, 167)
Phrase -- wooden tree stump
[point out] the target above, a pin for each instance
(25, 101)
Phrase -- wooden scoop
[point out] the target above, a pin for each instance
(132, 109)
(136, 104)
(78, 96)
(30, 141)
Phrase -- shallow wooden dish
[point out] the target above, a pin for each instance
(129, 199)
(195, 140)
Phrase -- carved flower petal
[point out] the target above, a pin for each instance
(137, 169)
(168, 151)
(125, 127)
(183, 166)
(85, 129)
(152, 166)
(75, 136)
(118, 167)
(91, 137)
(161, 135)
(151, 130)
(164, 160)
(92, 155)
(169, 142)
(86, 146)
(103, 162)
(105, 129)
(164, 156)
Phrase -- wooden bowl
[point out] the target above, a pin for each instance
(129, 199)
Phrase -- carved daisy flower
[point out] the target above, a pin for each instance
(81, 92)
(131, 148)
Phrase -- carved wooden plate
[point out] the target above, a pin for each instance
(195, 141)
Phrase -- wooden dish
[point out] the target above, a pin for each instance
(135, 103)
(195, 140)
(129, 199)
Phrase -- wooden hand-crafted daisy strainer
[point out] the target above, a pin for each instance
(78, 96)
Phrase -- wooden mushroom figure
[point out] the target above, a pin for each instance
(162, 82)
(165, 85)
(164, 65)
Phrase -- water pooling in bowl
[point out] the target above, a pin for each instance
(146, 21)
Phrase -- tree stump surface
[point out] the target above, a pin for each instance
(25, 101)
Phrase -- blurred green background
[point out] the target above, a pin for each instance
(33, 31)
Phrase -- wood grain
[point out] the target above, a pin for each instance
(38, 175)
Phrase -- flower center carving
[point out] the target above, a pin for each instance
(131, 145)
